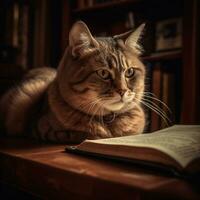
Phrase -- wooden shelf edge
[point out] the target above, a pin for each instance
(163, 56)
(104, 5)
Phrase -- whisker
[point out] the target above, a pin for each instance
(92, 117)
(101, 114)
(156, 99)
(94, 113)
(157, 111)
(83, 106)
(150, 94)
(166, 120)
(156, 105)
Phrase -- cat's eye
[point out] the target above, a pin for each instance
(130, 72)
(104, 74)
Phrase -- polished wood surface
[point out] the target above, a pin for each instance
(49, 172)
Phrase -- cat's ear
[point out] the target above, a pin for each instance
(81, 40)
(132, 38)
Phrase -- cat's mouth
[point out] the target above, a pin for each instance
(118, 105)
(114, 106)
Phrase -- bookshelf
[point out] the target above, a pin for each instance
(113, 17)
(163, 56)
(15, 54)
(29, 37)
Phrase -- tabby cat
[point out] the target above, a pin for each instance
(95, 92)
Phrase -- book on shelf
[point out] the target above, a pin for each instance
(147, 94)
(161, 92)
(16, 31)
(81, 4)
(130, 20)
(168, 96)
(156, 89)
(23, 35)
(175, 150)
(165, 85)
(89, 3)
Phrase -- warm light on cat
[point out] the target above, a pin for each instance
(96, 92)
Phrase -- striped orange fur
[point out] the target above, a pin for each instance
(94, 93)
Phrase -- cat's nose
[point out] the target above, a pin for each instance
(121, 92)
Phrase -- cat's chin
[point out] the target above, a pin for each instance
(114, 106)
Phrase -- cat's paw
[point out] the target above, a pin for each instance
(98, 131)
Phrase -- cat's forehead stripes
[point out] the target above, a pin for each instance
(110, 63)
(112, 52)
(114, 56)
(123, 61)
(117, 60)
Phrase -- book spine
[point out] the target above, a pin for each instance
(165, 96)
(16, 16)
(81, 4)
(147, 95)
(23, 35)
(157, 91)
(130, 21)
(90, 3)
(169, 93)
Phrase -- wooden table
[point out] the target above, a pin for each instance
(46, 171)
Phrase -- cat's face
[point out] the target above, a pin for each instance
(101, 75)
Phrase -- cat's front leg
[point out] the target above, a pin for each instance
(48, 128)
(129, 123)
(98, 131)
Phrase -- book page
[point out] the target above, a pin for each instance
(181, 142)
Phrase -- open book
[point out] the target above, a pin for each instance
(175, 148)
